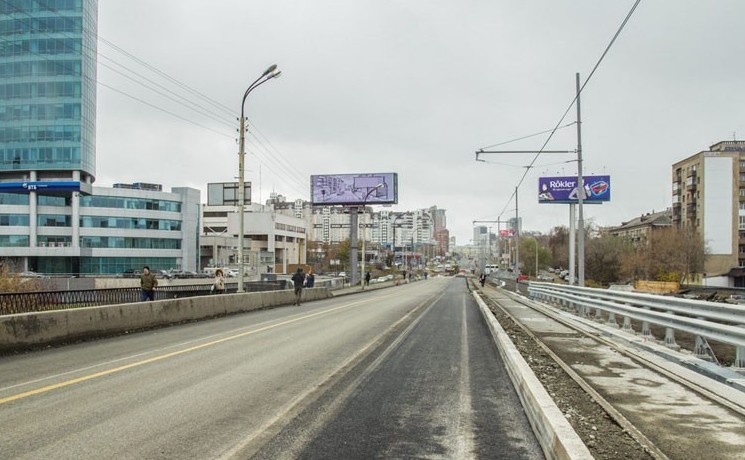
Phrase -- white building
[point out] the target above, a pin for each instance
(272, 241)
(107, 232)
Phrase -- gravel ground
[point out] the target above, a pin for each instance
(603, 436)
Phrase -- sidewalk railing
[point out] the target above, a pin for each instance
(723, 323)
(26, 302)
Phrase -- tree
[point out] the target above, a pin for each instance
(558, 246)
(12, 282)
(528, 256)
(604, 256)
(670, 254)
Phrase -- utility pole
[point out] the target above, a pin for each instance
(580, 195)
(517, 244)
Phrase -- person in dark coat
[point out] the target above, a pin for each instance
(299, 280)
(148, 283)
(310, 280)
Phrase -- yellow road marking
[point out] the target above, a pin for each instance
(96, 375)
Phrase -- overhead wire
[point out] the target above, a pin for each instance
(528, 136)
(574, 100)
(276, 157)
(55, 36)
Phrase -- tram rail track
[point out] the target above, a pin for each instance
(585, 329)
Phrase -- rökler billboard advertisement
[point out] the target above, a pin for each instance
(564, 189)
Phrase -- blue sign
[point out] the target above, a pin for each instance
(565, 190)
(44, 187)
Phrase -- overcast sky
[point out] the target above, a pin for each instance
(416, 87)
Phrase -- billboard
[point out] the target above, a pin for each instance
(564, 189)
(354, 189)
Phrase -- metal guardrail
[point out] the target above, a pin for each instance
(27, 302)
(706, 320)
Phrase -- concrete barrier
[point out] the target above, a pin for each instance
(555, 434)
(22, 331)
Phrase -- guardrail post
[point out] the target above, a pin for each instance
(701, 349)
(646, 331)
(739, 364)
(612, 320)
(670, 337)
(627, 325)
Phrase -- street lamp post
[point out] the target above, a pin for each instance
(364, 203)
(393, 226)
(268, 74)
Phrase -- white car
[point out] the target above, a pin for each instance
(232, 272)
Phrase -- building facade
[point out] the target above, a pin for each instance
(273, 239)
(708, 191)
(639, 229)
(52, 219)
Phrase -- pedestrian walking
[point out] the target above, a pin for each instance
(218, 287)
(299, 280)
(367, 278)
(148, 283)
(482, 279)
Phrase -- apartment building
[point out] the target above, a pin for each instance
(708, 191)
(639, 229)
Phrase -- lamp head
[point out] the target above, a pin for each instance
(271, 69)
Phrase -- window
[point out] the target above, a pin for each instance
(129, 203)
(54, 220)
(121, 242)
(742, 222)
(13, 198)
(129, 223)
(14, 241)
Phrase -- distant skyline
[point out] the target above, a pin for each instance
(416, 88)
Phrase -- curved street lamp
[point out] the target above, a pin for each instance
(364, 202)
(268, 74)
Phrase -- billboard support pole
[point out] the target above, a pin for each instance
(572, 242)
(581, 194)
(353, 245)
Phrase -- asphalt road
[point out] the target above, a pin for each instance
(403, 372)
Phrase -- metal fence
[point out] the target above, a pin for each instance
(716, 321)
(26, 302)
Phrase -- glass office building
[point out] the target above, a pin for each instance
(52, 219)
(48, 89)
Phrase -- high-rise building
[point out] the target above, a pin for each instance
(52, 219)
(709, 196)
(48, 90)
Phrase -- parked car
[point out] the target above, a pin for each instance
(163, 274)
(232, 272)
(545, 277)
(131, 273)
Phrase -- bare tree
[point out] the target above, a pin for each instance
(670, 254)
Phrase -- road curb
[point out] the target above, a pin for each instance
(554, 433)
